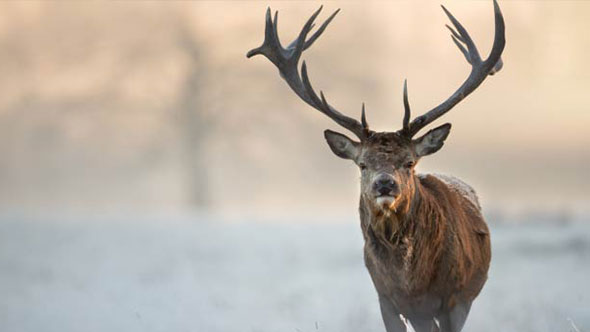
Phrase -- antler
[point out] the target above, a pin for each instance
(286, 60)
(479, 71)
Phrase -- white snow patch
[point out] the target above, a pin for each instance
(135, 274)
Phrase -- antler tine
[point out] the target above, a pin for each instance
(495, 57)
(471, 54)
(319, 32)
(479, 69)
(349, 123)
(297, 46)
(271, 44)
(364, 118)
(275, 29)
(406, 127)
(287, 59)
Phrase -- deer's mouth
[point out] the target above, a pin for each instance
(385, 201)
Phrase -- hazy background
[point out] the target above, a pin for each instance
(126, 117)
(150, 105)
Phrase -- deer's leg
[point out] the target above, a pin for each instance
(391, 318)
(454, 320)
(424, 325)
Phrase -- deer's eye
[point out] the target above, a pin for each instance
(362, 166)
(409, 164)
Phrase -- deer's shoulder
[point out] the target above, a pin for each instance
(457, 185)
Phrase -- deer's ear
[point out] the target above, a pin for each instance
(341, 145)
(432, 141)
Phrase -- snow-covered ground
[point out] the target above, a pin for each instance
(192, 274)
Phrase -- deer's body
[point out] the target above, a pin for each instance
(427, 247)
(433, 257)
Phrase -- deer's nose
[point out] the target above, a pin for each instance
(385, 185)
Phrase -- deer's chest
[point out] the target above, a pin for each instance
(388, 268)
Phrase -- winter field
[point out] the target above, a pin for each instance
(205, 275)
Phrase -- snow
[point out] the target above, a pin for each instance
(202, 274)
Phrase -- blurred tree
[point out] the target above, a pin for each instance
(193, 122)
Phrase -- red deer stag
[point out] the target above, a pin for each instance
(427, 246)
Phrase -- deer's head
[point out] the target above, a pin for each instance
(386, 159)
(386, 162)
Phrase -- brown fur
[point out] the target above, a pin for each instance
(437, 242)
(427, 247)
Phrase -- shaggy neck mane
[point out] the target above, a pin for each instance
(421, 233)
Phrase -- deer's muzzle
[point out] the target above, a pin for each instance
(385, 185)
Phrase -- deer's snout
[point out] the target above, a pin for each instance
(385, 185)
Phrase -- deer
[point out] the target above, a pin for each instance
(426, 243)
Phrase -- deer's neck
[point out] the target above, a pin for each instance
(414, 229)
(391, 225)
